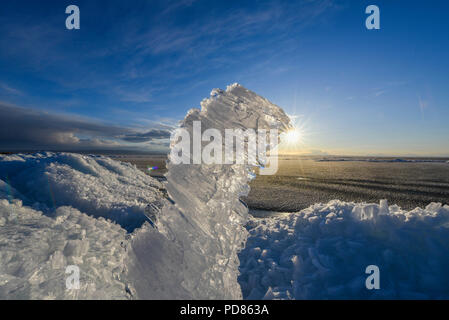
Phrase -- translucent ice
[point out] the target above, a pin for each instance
(205, 225)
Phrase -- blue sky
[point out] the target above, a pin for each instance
(135, 68)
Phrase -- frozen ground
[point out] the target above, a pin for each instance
(95, 185)
(322, 253)
(35, 250)
(408, 184)
(52, 210)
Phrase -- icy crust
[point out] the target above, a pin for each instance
(205, 221)
(59, 209)
(322, 253)
(95, 185)
(35, 251)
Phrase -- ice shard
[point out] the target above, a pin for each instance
(202, 227)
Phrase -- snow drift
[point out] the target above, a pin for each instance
(53, 211)
(36, 249)
(322, 252)
(95, 185)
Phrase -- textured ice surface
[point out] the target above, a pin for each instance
(95, 185)
(205, 225)
(322, 252)
(51, 209)
(35, 251)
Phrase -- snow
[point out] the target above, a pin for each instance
(322, 252)
(95, 185)
(52, 210)
(35, 251)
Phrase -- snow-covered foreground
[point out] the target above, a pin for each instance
(35, 251)
(51, 216)
(97, 186)
(323, 251)
(320, 252)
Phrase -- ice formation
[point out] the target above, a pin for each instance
(52, 210)
(206, 222)
(36, 249)
(322, 252)
(95, 185)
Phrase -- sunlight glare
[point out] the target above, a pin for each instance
(293, 136)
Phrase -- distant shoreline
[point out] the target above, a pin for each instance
(387, 159)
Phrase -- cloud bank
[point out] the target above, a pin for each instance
(29, 129)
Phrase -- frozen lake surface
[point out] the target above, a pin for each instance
(304, 181)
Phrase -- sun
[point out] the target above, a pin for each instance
(295, 138)
(292, 136)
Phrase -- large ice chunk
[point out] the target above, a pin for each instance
(205, 221)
